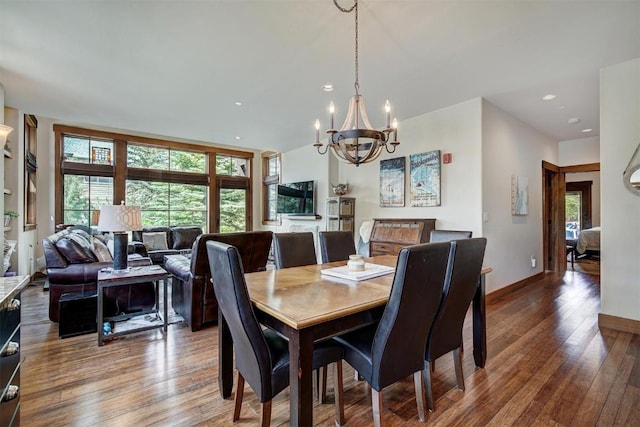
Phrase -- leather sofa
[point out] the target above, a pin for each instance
(192, 293)
(72, 267)
(173, 240)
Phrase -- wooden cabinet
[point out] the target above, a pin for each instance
(10, 289)
(340, 213)
(390, 235)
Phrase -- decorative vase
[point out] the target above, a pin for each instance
(7, 220)
(355, 263)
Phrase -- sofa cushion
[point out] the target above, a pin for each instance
(155, 241)
(74, 251)
(183, 237)
(101, 251)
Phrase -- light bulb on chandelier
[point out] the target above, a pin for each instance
(357, 141)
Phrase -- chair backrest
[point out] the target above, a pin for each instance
(401, 336)
(448, 235)
(465, 264)
(336, 245)
(294, 249)
(252, 355)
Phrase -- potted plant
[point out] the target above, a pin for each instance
(8, 216)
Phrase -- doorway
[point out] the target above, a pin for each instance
(554, 215)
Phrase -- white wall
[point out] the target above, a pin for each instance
(454, 130)
(487, 146)
(620, 238)
(579, 151)
(510, 147)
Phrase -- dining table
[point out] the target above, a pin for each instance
(307, 306)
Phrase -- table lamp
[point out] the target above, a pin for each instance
(120, 219)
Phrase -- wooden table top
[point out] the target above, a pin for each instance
(301, 297)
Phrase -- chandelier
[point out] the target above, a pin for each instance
(357, 141)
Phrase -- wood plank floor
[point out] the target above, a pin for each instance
(548, 364)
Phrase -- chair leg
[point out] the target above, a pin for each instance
(322, 379)
(338, 392)
(238, 399)
(457, 363)
(316, 384)
(376, 405)
(265, 418)
(427, 386)
(418, 380)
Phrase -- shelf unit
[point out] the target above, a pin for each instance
(340, 213)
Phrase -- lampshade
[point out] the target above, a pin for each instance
(119, 218)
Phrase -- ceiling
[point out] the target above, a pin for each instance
(176, 68)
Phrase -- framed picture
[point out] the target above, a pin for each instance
(519, 195)
(392, 182)
(424, 172)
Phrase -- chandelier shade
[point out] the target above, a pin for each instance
(357, 141)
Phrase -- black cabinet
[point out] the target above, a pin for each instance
(10, 289)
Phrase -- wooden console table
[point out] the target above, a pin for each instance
(390, 235)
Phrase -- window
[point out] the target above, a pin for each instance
(83, 196)
(270, 181)
(233, 191)
(86, 150)
(164, 203)
(172, 182)
(31, 167)
(232, 166)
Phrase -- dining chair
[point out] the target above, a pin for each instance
(261, 356)
(294, 249)
(336, 245)
(391, 350)
(448, 235)
(463, 274)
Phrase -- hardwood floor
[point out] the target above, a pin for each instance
(548, 364)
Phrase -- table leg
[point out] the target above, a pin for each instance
(300, 378)
(100, 316)
(225, 357)
(480, 325)
(166, 301)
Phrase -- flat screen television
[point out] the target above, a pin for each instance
(296, 198)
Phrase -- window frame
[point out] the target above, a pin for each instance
(121, 172)
(267, 181)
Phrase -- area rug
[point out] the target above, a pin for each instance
(587, 265)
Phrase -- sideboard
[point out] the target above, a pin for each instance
(388, 236)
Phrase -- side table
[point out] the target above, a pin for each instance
(132, 276)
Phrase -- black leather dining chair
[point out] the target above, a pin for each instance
(463, 274)
(294, 249)
(336, 245)
(391, 350)
(448, 235)
(261, 356)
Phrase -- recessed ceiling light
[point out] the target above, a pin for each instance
(587, 130)
(573, 120)
(327, 88)
(548, 97)
(238, 138)
(238, 103)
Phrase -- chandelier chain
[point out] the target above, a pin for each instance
(345, 10)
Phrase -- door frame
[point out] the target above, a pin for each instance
(553, 214)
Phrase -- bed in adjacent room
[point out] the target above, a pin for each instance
(589, 242)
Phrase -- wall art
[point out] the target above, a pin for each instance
(392, 182)
(424, 172)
